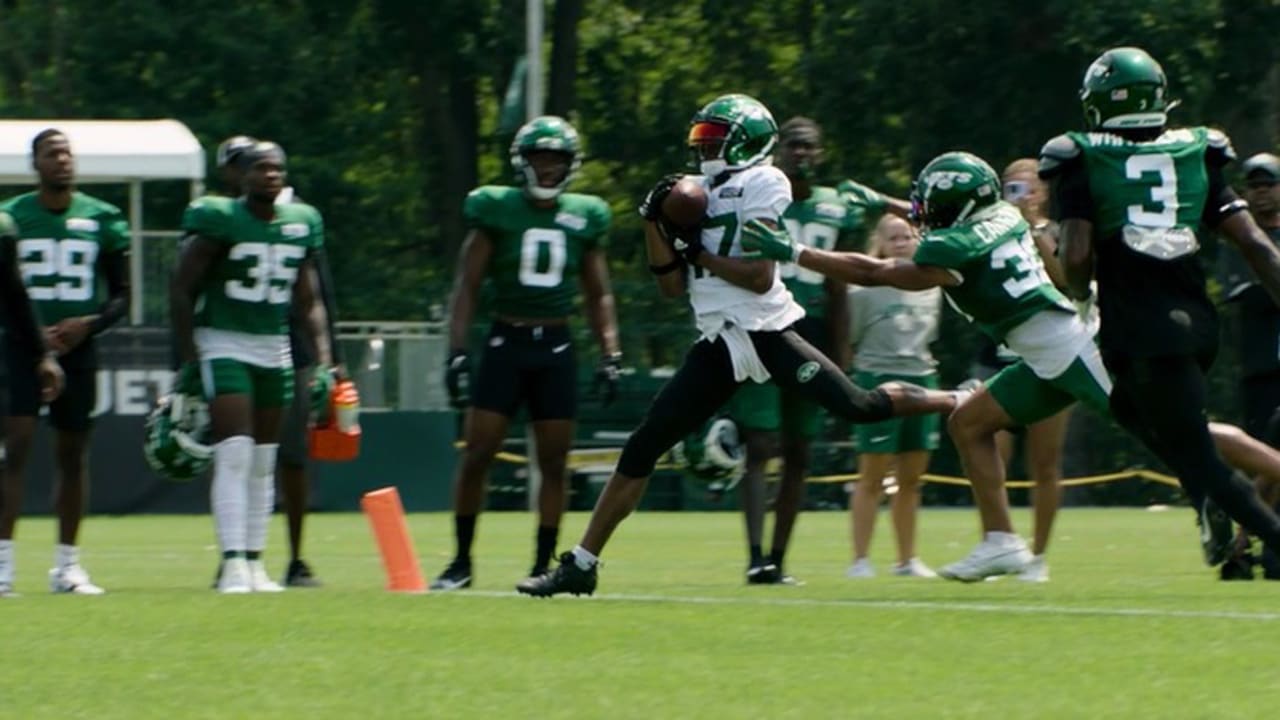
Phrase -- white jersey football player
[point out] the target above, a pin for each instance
(744, 314)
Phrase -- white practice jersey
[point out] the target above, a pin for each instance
(762, 192)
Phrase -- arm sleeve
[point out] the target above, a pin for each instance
(856, 324)
(114, 267)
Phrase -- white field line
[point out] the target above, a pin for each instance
(937, 606)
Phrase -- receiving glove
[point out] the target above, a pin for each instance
(651, 206)
(773, 243)
(608, 374)
(457, 379)
(860, 194)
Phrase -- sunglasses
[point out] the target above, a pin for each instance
(1015, 190)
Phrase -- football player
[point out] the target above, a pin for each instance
(1130, 194)
(68, 244)
(824, 217)
(246, 262)
(537, 245)
(293, 453)
(980, 250)
(742, 309)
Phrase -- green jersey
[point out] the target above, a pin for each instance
(248, 290)
(60, 252)
(1146, 200)
(537, 252)
(1002, 279)
(826, 220)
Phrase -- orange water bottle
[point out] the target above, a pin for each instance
(339, 439)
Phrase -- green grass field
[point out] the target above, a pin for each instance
(1132, 626)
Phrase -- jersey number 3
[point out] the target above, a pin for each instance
(269, 272)
(70, 261)
(1165, 194)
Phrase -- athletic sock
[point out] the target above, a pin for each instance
(464, 531)
(229, 493)
(584, 559)
(6, 561)
(757, 556)
(262, 497)
(65, 555)
(546, 547)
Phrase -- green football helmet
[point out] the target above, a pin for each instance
(177, 437)
(547, 132)
(951, 188)
(714, 455)
(1125, 88)
(731, 133)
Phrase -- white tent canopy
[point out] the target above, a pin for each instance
(107, 151)
(112, 151)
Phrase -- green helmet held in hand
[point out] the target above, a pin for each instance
(951, 188)
(731, 133)
(1125, 88)
(176, 442)
(547, 133)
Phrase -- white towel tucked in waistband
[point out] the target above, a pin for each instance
(746, 362)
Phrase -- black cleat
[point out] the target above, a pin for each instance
(1217, 538)
(299, 575)
(566, 578)
(766, 574)
(455, 577)
(539, 571)
(1237, 567)
(1270, 562)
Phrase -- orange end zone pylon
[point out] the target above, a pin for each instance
(386, 518)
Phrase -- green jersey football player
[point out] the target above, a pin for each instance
(246, 265)
(538, 247)
(68, 244)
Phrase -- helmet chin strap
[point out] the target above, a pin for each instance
(536, 191)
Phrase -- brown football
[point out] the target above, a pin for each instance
(686, 205)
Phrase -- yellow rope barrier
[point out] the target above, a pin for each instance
(596, 458)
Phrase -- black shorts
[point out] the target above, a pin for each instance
(71, 411)
(530, 365)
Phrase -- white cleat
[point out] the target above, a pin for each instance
(72, 580)
(860, 569)
(914, 568)
(998, 554)
(6, 589)
(260, 581)
(1037, 571)
(235, 577)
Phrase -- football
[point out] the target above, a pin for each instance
(686, 205)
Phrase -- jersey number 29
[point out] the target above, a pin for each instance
(71, 261)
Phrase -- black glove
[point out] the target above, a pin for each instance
(457, 379)
(651, 206)
(687, 244)
(608, 373)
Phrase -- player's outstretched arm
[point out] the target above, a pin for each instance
(1257, 249)
(1077, 256)
(854, 268)
(198, 255)
(306, 296)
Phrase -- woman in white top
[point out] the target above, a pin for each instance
(891, 332)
